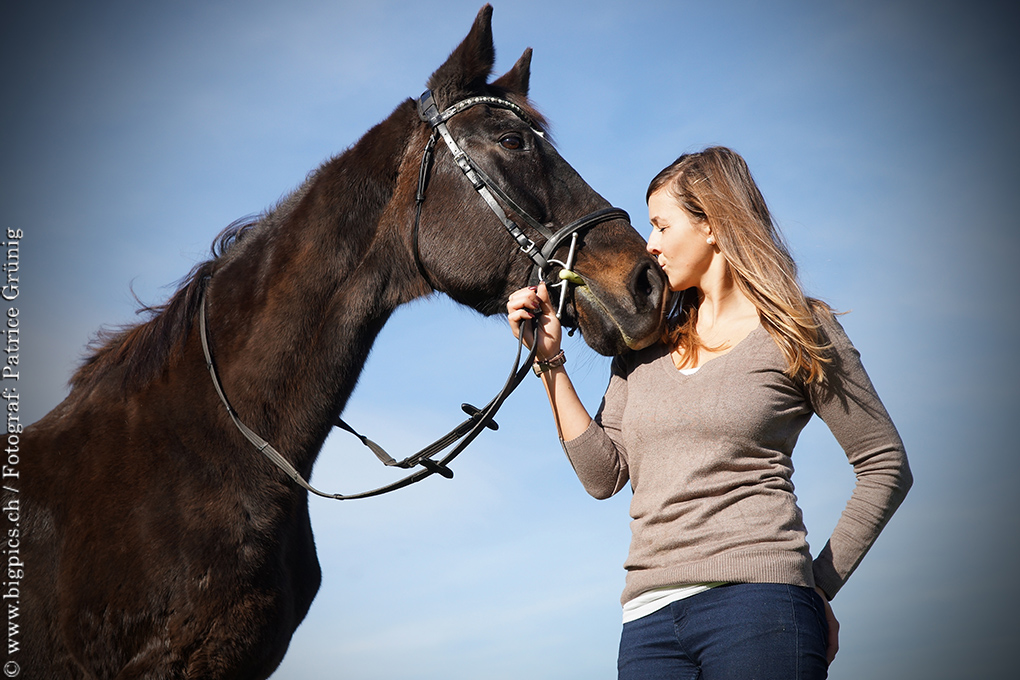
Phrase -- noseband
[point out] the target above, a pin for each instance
(542, 261)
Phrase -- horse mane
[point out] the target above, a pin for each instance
(141, 350)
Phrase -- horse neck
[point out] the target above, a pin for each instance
(296, 306)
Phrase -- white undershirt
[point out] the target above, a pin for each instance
(655, 599)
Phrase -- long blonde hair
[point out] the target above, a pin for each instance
(716, 186)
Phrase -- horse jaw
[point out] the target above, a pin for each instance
(615, 318)
(612, 337)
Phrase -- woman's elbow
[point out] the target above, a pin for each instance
(906, 478)
(600, 493)
(603, 489)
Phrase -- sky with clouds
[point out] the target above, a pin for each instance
(882, 134)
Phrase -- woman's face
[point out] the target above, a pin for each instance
(678, 243)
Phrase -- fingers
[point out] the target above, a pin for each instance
(522, 306)
(526, 303)
(535, 303)
(544, 297)
(832, 645)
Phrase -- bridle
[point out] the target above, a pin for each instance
(542, 261)
(541, 258)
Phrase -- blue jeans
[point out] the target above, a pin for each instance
(734, 632)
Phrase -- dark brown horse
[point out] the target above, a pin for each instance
(157, 542)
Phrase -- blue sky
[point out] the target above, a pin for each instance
(882, 134)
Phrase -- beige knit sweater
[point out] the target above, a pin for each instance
(708, 456)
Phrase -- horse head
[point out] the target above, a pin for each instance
(461, 244)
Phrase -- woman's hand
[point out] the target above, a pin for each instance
(833, 643)
(534, 303)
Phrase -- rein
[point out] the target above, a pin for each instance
(478, 419)
(542, 261)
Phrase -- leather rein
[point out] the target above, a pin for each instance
(424, 462)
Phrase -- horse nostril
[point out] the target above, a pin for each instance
(646, 287)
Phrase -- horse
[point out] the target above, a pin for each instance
(155, 540)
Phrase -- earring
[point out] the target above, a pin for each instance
(710, 241)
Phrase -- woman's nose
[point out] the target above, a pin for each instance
(653, 243)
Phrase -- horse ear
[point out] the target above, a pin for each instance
(468, 67)
(518, 78)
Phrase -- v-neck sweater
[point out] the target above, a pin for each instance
(709, 458)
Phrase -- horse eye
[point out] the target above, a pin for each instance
(512, 142)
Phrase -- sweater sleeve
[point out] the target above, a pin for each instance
(850, 407)
(597, 455)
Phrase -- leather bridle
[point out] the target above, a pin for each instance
(541, 258)
(542, 261)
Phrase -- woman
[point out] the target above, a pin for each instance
(720, 582)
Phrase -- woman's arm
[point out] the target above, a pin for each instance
(571, 417)
(850, 406)
(600, 464)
